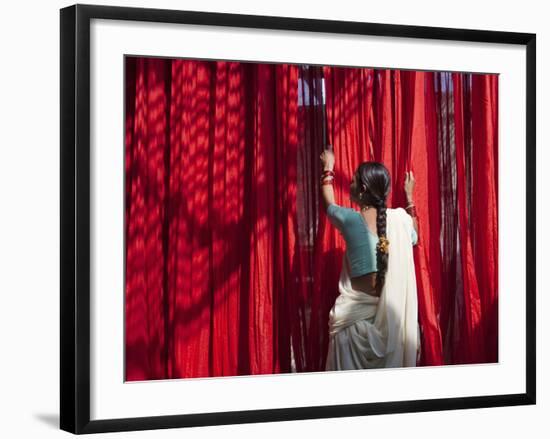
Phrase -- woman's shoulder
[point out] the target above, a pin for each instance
(339, 215)
(343, 209)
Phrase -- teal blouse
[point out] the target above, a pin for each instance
(360, 240)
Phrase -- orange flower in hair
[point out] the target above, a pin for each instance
(383, 244)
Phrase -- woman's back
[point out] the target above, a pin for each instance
(360, 243)
(369, 332)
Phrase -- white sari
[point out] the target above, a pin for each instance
(373, 332)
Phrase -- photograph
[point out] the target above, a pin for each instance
(259, 211)
(285, 218)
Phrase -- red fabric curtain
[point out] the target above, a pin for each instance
(231, 264)
(483, 91)
(211, 150)
(443, 127)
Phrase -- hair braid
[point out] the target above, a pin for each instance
(373, 184)
(381, 257)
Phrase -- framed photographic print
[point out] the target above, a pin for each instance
(258, 212)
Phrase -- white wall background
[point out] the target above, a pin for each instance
(29, 218)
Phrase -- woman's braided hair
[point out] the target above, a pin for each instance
(375, 183)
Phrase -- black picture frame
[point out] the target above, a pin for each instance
(75, 217)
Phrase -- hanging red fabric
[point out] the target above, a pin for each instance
(211, 189)
(145, 215)
(484, 211)
(423, 160)
(471, 348)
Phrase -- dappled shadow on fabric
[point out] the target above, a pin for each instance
(210, 218)
(231, 267)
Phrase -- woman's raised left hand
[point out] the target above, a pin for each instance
(409, 185)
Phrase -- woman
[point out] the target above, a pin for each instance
(374, 320)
